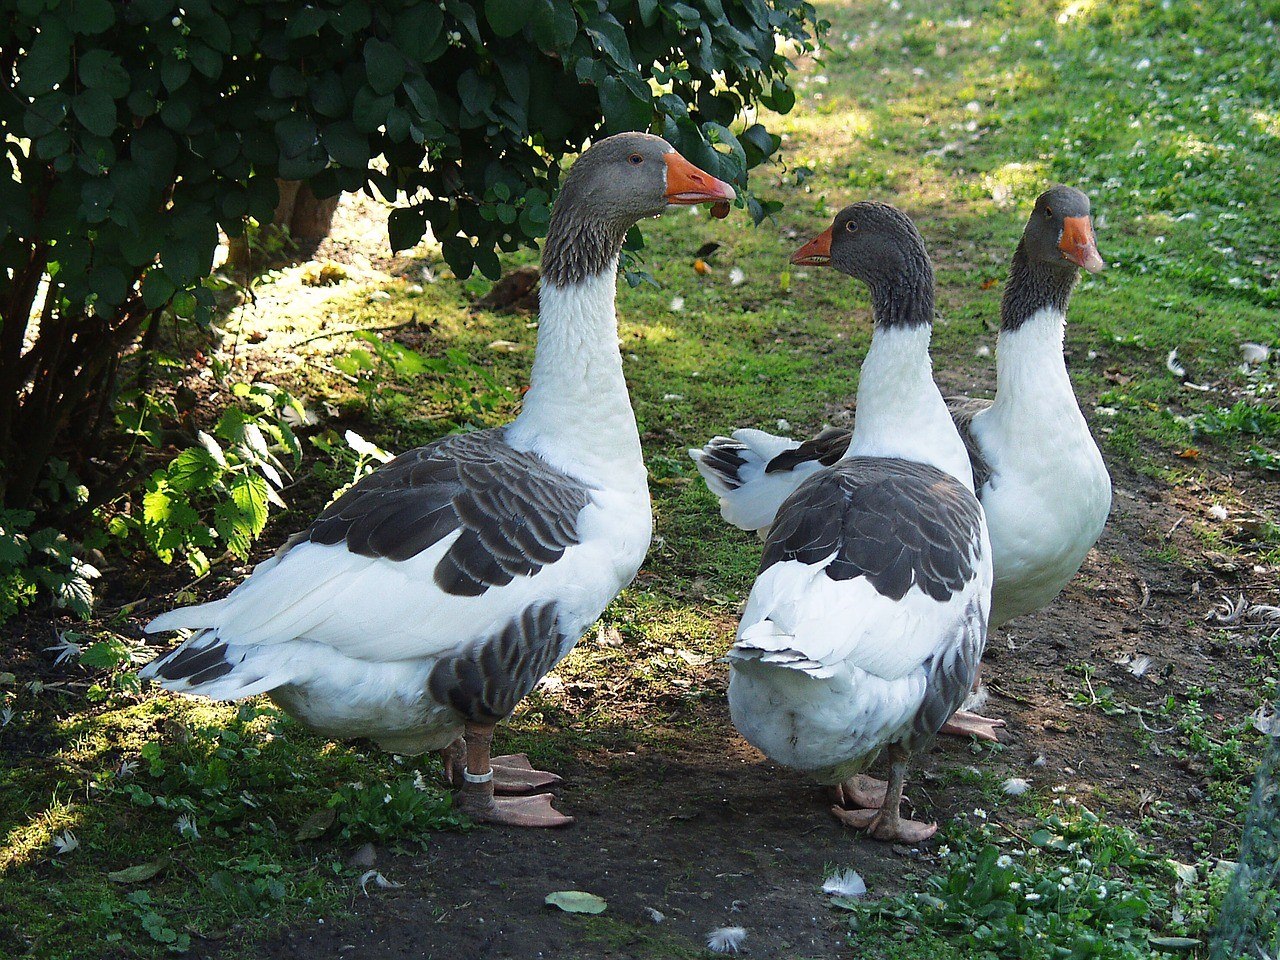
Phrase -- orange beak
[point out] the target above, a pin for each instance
(815, 253)
(686, 184)
(1078, 244)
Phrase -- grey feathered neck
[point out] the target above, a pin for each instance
(906, 299)
(577, 246)
(1033, 286)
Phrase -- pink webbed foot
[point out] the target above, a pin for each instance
(884, 826)
(966, 724)
(861, 791)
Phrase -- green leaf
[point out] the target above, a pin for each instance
(142, 872)
(622, 111)
(305, 22)
(554, 25)
(191, 470)
(475, 93)
(419, 33)
(612, 39)
(93, 16)
(105, 655)
(250, 493)
(384, 65)
(346, 144)
(507, 17)
(48, 61)
(405, 227)
(96, 111)
(103, 70)
(576, 901)
(316, 824)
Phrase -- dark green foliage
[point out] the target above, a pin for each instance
(135, 132)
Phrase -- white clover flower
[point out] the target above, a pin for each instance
(980, 813)
(1004, 862)
(677, 304)
(1031, 897)
(736, 277)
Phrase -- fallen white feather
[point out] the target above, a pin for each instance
(1218, 511)
(677, 304)
(1040, 761)
(1140, 666)
(726, 939)
(983, 351)
(846, 883)
(1016, 786)
(737, 277)
(1254, 352)
(657, 916)
(1172, 365)
(377, 878)
(65, 842)
(784, 426)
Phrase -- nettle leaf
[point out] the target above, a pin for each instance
(251, 495)
(193, 469)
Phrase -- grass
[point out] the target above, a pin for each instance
(959, 111)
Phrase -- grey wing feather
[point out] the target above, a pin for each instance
(827, 448)
(897, 523)
(485, 681)
(963, 410)
(830, 445)
(950, 676)
(516, 512)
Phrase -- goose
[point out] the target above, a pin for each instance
(864, 628)
(1039, 473)
(431, 597)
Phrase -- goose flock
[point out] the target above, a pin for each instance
(429, 599)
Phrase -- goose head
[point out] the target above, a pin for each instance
(879, 245)
(616, 183)
(1059, 232)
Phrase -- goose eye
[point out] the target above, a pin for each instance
(635, 158)
(850, 226)
(1048, 212)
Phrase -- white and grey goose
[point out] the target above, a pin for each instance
(1039, 474)
(866, 623)
(432, 596)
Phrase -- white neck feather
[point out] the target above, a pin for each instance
(577, 413)
(1032, 385)
(900, 411)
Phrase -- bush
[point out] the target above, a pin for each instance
(135, 132)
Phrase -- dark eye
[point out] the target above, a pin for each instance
(1048, 212)
(635, 158)
(850, 226)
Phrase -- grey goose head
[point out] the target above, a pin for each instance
(616, 183)
(879, 245)
(1059, 231)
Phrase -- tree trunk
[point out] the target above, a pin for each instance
(305, 219)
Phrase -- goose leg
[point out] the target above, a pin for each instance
(887, 823)
(476, 797)
(512, 773)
